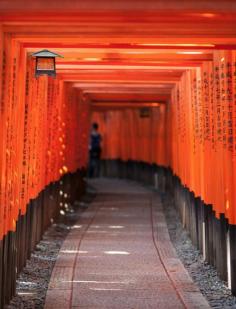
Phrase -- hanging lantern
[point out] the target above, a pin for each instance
(144, 112)
(45, 63)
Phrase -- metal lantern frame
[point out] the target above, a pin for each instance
(45, 54)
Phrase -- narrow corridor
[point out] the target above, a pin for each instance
(148, 88)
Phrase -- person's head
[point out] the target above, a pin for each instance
(95, 126)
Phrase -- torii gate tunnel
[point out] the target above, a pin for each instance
(160, 80)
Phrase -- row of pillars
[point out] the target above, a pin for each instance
(16, 246)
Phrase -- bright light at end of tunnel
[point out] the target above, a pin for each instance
(155, 104)
(92, 59)
(177, 44)
(141, 52)
(208, 15)
(117, 252)
(189, 53)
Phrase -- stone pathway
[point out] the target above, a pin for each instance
(119, 256)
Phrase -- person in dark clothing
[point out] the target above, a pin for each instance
(95, 151)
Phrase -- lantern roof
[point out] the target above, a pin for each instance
(46, 53)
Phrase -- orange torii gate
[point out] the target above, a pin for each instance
(118, 58)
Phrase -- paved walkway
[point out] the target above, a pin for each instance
(119, 256)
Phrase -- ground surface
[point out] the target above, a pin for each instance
(119, 255)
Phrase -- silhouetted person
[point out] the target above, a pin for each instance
(94, 151)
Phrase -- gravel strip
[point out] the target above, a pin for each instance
(204, 275)
(33, 281)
